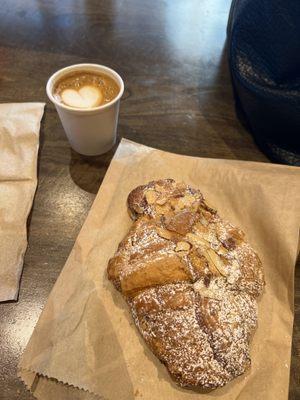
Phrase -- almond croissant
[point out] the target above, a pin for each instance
(191, 282)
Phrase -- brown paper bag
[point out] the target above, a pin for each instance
(85, 337)
(19, 142)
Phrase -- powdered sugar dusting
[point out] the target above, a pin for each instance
(191, 281)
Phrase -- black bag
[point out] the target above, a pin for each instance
(264, 59)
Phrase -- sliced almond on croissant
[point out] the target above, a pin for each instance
(197, 240)
(161, 201)
(164, 233)
(151, 196)
(214, 259)
(182, 246)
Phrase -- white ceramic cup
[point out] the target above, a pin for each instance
(90, 131)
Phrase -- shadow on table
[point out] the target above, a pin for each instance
(88, 171)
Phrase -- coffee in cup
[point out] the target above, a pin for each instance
(87, 99)
(85, 89)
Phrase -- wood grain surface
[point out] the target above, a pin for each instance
(172, 57)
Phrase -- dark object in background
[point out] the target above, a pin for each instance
(264, 60)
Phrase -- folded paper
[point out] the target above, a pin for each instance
(85, 344)
(19, 142)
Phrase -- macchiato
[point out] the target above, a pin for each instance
(85, 89)
(87, 99)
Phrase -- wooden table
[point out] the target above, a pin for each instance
(178, 98)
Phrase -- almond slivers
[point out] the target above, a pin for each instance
(151, 196)
(197, 240)
(164, 233)
(161, 201)
(182, 246)
(216, 261)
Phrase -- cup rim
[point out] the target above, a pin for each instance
(75, 67)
